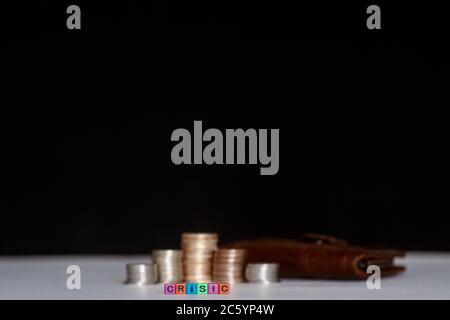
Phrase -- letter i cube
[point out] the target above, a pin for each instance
(191, 288)
(213, 288)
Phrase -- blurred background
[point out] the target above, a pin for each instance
(88, 115)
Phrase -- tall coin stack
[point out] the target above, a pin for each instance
(198, 250)
(229, 264)
(170, 265)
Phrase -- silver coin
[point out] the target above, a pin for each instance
(170, 265)
(262, 272)
(141, 273)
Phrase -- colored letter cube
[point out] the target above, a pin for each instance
(224, 288)
(169, 288)
(213, 288)
(180, 288)
(191, 288)
(202, 288)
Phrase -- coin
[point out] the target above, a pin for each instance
(141, 273)
(198, 249)
(170, 265)
(262, 272)
(197, 235)
(228, 265)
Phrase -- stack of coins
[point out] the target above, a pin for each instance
(262, 272)
(170, 265)
(198, 250)
(141, 273)
(228, 265)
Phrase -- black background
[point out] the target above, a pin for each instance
(88, 116)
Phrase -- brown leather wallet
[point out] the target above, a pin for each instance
(320, 256)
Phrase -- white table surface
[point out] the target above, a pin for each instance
(44, 277)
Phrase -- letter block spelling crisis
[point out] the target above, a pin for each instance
(197, 288)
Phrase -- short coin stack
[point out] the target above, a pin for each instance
(228, 265)
(170, 265)
(141, 273)
(262, 272)
(198, 250)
